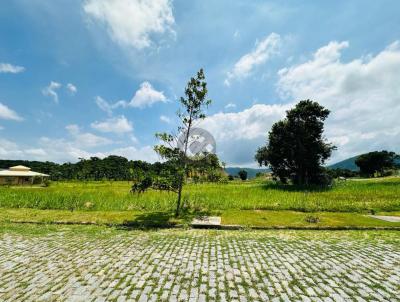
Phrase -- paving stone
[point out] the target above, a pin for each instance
(196, 266)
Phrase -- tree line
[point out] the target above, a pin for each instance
(119, 168)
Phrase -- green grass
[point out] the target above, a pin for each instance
(250, 218)
(117, 218)
(352, 196)
(291, 219)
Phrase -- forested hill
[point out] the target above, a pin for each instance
(349, 164)
(251, 172)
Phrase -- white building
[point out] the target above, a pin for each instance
(20, 175)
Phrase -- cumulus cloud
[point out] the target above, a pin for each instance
(72, 88)
(116, 125)
(66, 150)
(51, 90)
(239, 134)
(39, 152)
(145, 153)
(165, 119)
(363, 95)
(9, 149)
(145, 96)
(133, 23)
(8, 114)
(9, 68)
(250, 123)
(84, 139)
(263, 51)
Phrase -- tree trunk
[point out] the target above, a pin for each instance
(178, 202)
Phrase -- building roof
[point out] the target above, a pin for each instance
(19, 168)
(21, 171)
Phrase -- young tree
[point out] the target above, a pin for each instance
(242, 174)
(193, 105)
(376, 162)
(296, 148)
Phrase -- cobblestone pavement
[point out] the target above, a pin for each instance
(198, 265)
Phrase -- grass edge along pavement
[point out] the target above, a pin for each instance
(230, 219)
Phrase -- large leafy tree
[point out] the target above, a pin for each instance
(242, 174)
(376, 162)
(192, 110)
(296, 148)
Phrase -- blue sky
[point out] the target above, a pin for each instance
(98, 77)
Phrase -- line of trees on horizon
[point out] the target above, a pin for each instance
(118, 168)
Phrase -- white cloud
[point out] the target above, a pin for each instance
(133, 23)
(39, 152)
(250, 123)
(147, 96)
(9, 150)
(51, 90)
(363, 96)
(263, 50)
(239, 134)
(9, 68)
(72, 88)
(116, 125)
(64, 150)
(103, 105)
(165, 119)
(8, 114)
(83, 139)
(230, 105)
(78, 144)
(145, 153)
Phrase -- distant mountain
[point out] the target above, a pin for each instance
(251, 172)
(348, 164)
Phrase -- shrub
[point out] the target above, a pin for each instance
(312, 219)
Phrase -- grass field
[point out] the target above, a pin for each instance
(380, 195)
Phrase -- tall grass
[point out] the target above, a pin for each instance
(350, 196)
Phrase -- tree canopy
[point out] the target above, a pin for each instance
(376, 162)
(242, 174)
(296, 148)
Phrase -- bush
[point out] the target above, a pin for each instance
(312, 219)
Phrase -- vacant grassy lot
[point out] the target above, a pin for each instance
(351, 196)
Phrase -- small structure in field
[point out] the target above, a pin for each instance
(21, 175)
